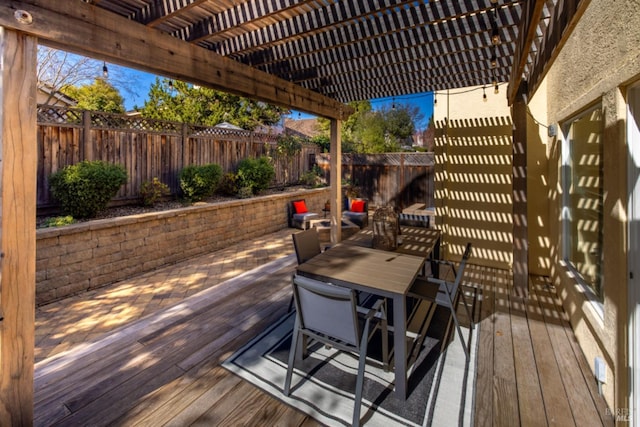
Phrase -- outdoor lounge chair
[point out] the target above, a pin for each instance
(356, 211)
(298, 214)
(329, 314)
(445, 293)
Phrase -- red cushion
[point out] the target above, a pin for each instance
(300, 207)
(357, 206)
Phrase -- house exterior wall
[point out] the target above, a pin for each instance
(594, 67)
(473, 182)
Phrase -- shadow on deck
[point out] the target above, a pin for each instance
(165, 369)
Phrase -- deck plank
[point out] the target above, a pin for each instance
(484, 401)
(505, 391)
(576, 380)
(165, 370)
(556, 402)
(529, 394)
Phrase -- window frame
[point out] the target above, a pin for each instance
(566, 181)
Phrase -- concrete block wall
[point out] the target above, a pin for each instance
(80, 257)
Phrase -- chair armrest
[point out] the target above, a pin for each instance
(372, 312)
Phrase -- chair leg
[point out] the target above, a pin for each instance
(359, 386)
(466, 307)
(462, 340)
(360, 380)
(292, 358)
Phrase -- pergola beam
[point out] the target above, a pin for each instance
(88, 30)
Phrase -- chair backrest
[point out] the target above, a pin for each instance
(461, 267)
(307, 244)
(327, 309)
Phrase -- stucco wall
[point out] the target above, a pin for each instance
(594, 66)
(473, 184)
(75, 258)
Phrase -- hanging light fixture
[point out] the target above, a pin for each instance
(496, 90)
(495, 37)
(494, 60)
(495, 34)
(393, 104)
(435, 100)
(484, 95)
(105, 70)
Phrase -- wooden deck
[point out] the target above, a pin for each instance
(165, 369)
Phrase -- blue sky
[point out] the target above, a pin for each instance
(143, 82)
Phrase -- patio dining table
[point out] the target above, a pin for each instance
(388, 274)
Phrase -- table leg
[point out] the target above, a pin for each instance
(399, 345)
(435, 255)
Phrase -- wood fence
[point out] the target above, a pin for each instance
(149, 148)
(396, 179)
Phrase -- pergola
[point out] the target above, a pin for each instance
(309, 55)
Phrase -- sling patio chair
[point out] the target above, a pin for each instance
(446, 293)
(330, 315)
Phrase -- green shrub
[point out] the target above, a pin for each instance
(84, 189)
(228, 184)
(311, 178)
(255, 174)
(58, 221)
(245, 193)
(152, 191)
(199, 182)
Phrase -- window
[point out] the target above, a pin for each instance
(583, 198)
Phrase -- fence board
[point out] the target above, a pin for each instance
(396, 179)
(146, 148)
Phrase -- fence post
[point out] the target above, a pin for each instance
(185, 147)
(86, 135)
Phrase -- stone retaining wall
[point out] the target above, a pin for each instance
(75, 258)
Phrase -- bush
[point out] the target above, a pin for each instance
(152, 191)
(199, 182)
(312, 177)
(255, 174)
(58, 221)
(228, 184)
(84, 189)
(245, 193)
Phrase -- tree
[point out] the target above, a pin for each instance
(349, 143)
(98, 96)
(381, 131)
(58, 69)
(183, 102)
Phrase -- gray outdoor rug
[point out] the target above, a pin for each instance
(441, 386)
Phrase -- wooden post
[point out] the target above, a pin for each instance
(335, 178)
(401, 202)
(18, 161)
(520, 227)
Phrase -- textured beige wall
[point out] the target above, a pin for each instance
(599, 59)
(474, 175)
(538, 190)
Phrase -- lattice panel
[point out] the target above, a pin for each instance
(51, 114)
(119, 121)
